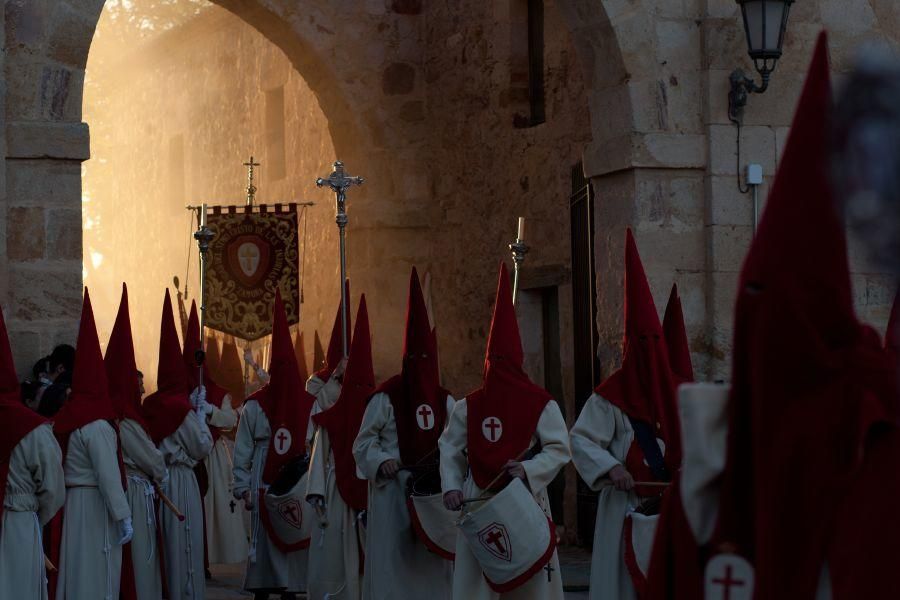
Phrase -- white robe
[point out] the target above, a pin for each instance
(226, 535)
(144, 466)
(601, 439)
(190, 444)
(468, 579)
(268, 568)
(398, 566)
(90, 563)
(335, 552)
(35, 491)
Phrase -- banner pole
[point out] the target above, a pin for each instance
(204, 235)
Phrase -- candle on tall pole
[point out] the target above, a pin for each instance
(519, 249)
(340, 182)
(204, 235)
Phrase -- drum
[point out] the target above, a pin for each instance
(637, 540)
(510, 536)
(434, 525)
(283, 509)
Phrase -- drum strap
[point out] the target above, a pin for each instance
(646, 440)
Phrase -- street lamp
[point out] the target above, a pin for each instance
(765, 22)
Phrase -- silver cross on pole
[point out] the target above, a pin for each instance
(519, 249)
(340, 182)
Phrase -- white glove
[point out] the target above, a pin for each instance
(126, 530)
(204, 408)
(198, 396)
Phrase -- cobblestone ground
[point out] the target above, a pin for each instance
(576, 567)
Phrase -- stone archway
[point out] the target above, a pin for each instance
(647, 156)
(47, 47)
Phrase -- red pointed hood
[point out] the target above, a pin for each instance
(803, 369)
(300, 354)
(336, 344)
(191, 346)
(284, 400)
(166, 409)
(419, 401)
(318, 353)
(676, 338)
(89, 400)
(507, 394)
(892, 335)
(121, 367)
(215, 393)
(10, 391)
(16, 420)
(231, 370)
(644, 386)
(343, 419)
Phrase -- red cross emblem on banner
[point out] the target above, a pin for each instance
(492, 428)
(425, 417)
(495, 540)
(282, 441)
(729, 577)
(292, 513)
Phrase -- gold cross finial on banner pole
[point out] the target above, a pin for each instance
(251, 189)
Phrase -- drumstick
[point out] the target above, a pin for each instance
(607, 484)
(49, 566)
(487, 488)
(169, 504)
(416, 467)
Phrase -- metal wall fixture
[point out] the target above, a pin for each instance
(765, 22)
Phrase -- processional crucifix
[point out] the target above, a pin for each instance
(340, 182)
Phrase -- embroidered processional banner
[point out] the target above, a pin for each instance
(254, 252)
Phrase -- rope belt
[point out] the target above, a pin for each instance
(150, 506)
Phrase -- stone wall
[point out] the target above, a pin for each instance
(172, 122)
(419, 98)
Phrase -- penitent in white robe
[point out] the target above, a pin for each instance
(468, 579)
(90, 563)
(144, 466)
(335, 551)
(398, 566)
(268, 568)
(35, 491)
(601, 439)
(182, 450)
(226, 534)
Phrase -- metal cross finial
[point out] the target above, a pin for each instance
(340, 182)
(519, 249)
(251, 189)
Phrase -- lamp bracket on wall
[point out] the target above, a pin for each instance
(741, 87)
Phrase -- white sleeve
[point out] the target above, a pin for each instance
(554, 455)
(591, 437)
(452, 444)
(369, 447)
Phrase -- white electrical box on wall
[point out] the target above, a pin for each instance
(754, 174)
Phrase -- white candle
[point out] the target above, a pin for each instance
(203, 216)
(521, 235)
